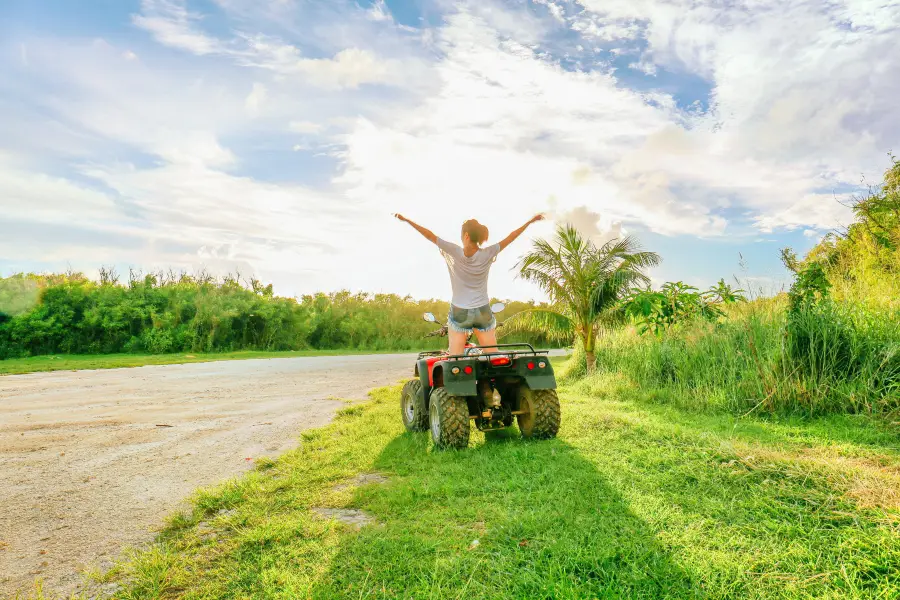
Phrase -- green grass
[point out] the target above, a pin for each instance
(829, 359)
(633, 500)
(74, 362)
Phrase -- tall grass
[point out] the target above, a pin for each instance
(825, 358)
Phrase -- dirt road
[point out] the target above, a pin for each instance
(92, 461)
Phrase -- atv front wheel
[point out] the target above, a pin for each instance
(541, 415)
(412, 406)
(449, 419)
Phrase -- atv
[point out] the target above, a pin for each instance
(487, 388)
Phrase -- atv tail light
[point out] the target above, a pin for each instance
(500, 361)
(468, 370)
(530, 366)
(455, 370)
(542, 364)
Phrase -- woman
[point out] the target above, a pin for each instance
(469, 266)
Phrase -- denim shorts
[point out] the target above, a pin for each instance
(464, 320)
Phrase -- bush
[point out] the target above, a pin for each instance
(847, 353)
(823, 358)
(725, 365)
(162, 312)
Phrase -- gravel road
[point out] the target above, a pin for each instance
(92, 461)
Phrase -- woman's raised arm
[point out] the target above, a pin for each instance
(512, 236)
(425, 232)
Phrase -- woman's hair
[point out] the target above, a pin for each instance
(478, 233)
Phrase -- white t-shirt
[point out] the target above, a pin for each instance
(468, 274)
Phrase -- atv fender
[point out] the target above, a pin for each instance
(540, 382)
(422, 372)
(461, 384)
(539, 378)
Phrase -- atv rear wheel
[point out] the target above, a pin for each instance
(542, 414)
(449, 419)
(412, 406)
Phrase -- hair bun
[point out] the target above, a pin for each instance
(478, 233)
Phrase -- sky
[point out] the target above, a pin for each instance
(275, 138)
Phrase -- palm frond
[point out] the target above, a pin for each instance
(554, 325)
(584, 281)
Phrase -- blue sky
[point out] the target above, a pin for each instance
(276, 137)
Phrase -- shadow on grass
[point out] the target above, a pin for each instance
(504, 519)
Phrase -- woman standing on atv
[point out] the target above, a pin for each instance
(469, 266)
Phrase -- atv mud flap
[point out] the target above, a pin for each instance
(460, 386)
(540, 382)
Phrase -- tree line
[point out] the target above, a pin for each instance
(167, 312)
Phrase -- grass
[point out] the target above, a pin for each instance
(829, 359)
(75, 362)
(633, 500)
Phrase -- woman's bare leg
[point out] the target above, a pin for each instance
(457, 341)
(487, 340)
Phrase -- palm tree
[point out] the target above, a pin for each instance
(585, 284)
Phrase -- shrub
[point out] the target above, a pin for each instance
(164, 312)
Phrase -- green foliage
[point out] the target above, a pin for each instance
(809, 354)
(678, 302)
(811, 285)
(164, 313)
(847, 355)
(702, 365)
(585, 284)
(831, 345)
(723, 293)
(826, 358)
(18, 294)
(863, 262)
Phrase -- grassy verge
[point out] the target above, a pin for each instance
(73, 362)
(631, 501)
(826, 359)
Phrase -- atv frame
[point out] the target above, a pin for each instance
(512, 382)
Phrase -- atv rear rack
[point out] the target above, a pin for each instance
(469, 351)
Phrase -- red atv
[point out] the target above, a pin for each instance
(514, 380)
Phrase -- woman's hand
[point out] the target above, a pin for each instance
(536, 218)
(401, 217)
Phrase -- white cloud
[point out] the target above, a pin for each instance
(42, 198)
(171, 24)
(645, 67)
(349, 68)
(556, 10)
(256, 98)
(506, 123)
(510, 130)
(820, 211)
(305, 127)
(379, 12)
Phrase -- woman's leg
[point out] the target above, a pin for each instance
(487, 340)
(486, 329)
(457, 341)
